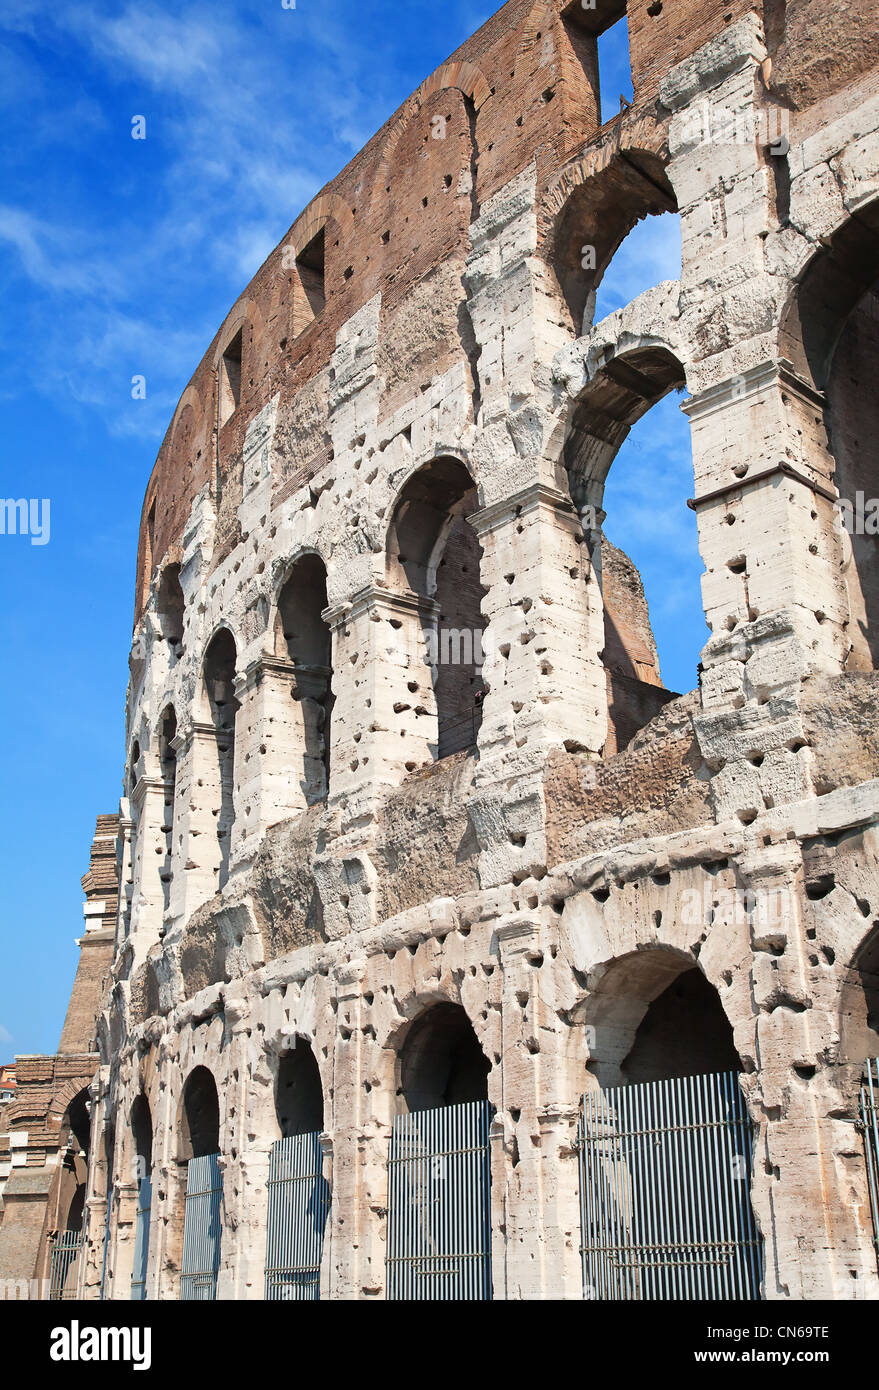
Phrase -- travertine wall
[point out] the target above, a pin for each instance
(602, 839)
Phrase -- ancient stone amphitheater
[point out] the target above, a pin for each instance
(455, 956)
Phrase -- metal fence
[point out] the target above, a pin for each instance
(299, 1204)
(439, 1217)
(202, 1230)
(141, 1240)
(66, 1248)
(665, 1192)
(870, 1119)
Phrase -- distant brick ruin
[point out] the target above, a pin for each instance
(413, 837)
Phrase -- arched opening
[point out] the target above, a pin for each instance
(594, 222)
(655, 1016)
(142, 1139)
(168, 765)
(199, 1150)
(299, 1099)
(439, 1208)
(219, 679)
(142, 1136)
(76, 1124)
(441, 1062)
(304, 638)
(299, 1194)
(614, 401)
(170, 605)
(831, 335)
(433, 552)
(667, 1142)
(199, 1125)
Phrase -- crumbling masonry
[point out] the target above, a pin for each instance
(344, 839)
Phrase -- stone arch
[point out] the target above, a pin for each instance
(621, 388)
(198, 1116)
(439, 1060)
(653, 1015)
(303, 638)
(433, 555)
(829, 331)
(467, 78)
(298, 1089)
(588, 212)
(170, 609)
(141, 1136)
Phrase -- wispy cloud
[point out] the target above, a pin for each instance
(5, 1036)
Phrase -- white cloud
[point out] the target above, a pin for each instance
(5, 1035)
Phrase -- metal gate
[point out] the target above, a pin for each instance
(665, 1192)
(299, 1204)
(64, 1266)
(439, 1217)
(202, 1230)
(141, 1240)
(870, 1120)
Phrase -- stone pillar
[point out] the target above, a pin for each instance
(541, 1249)
(150, 849)
(358, 1217)
(196, 855)
(804, 1183)
(767, 533)
(269, 753)
(384, 716)
(126, 873)
(546, 684)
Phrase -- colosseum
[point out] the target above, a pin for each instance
(456, 957)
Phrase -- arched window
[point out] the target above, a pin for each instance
(199, 1116)
(169, 610)
(219, 679)
(299, 1100)
(441, 1062)
(614, 401)
(299, 1195)
(168, 764)
(433, 552)
(199, 1149)
(304, 638)
(666, 1139)
(439, 1208)
(142, 1138)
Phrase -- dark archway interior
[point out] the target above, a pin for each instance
(684, 1032)
(441, 1062)
(219, 677)
(76, 1210)
(142, 1132)
(305, 639)
(200, 1117)
(434, 552)
(77, 1121)
(170, 605)
(299, 1099)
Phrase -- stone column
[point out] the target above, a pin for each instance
(546, 683)
(196, 856)
(384, 717)
(150, 848)
(358, 1217)
(269, 752)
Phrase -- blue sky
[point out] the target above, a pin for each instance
(119, 258)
